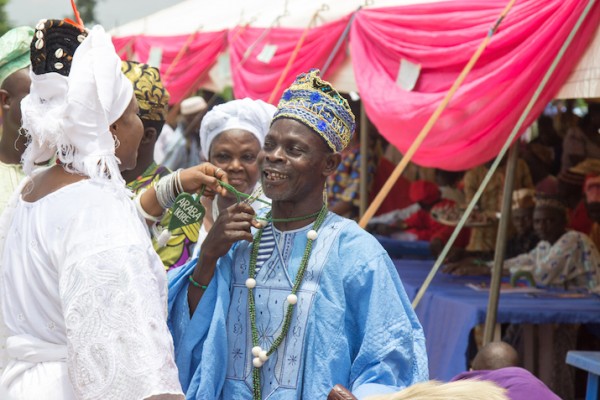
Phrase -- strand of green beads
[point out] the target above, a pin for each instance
(256, 389)
(238, 195)
(297, 282)
(256, 386)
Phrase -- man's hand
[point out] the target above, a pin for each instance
(232, 225)
(340, 393)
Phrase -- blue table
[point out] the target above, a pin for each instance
(588, 361)
(450, 310)
(403, 249)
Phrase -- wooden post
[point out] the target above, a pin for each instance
(492, 308)
(364, 160)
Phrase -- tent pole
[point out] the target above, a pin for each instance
(509, 183)
(503, 150)
(364, 164)
(430, 122)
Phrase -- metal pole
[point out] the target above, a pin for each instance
(364, 160)
(509, 183)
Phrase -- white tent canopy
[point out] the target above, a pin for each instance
(203, 15)
(192, 15)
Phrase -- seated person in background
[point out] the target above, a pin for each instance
(542, 155)
(483, 239)
(570, 186)
(420, 225)
(498, 362)
(448, 182)
(561, 258)
(414, 222)
(582, 141)
(591, 191)
(525, 238)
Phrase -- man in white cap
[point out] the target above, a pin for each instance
(181, 148)
(14, 85)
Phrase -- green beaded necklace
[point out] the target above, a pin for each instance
(290, 308)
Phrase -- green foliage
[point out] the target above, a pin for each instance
(4, 23)
(87, 10)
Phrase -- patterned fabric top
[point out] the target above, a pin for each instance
(178, 249)
(572, 261)
(344, 185)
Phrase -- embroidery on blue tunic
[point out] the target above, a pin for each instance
(282, 370)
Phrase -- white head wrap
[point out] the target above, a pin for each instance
(250, 115)
(71, 116)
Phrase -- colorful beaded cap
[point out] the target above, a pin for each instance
(315, 103)
(151, 95)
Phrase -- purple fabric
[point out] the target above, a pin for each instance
(520, 383)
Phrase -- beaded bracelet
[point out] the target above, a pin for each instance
(138, 205)
(193, 282)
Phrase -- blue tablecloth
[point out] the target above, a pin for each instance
(403, 249)
(450, 309)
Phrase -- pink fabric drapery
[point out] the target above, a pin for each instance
(191, 69)
(257, 79)
(441, 37)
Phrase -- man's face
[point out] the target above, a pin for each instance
(522, 220)
(549, 223)
(15, 88)
(293, 161)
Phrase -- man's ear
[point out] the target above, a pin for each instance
(332, 161)
(4, 99)
(150, 135)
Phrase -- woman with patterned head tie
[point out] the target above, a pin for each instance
(83, 294)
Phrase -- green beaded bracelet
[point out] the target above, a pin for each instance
(193, 282)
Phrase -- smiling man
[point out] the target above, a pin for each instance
(307, 299)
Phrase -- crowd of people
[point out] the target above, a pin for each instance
(209, 251)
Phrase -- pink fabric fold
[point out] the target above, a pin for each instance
(257, 79)
(192, 68)
(442, 37)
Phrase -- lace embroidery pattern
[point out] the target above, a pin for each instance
(119, 346)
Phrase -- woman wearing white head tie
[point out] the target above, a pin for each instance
(231, 135)
(83, 293)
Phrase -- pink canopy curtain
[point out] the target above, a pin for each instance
(441, 37)
(193, 66)
(257, 79)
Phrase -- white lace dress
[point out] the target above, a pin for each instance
(84, 299)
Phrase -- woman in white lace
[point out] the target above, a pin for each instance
(231, 135)
(83, 294)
